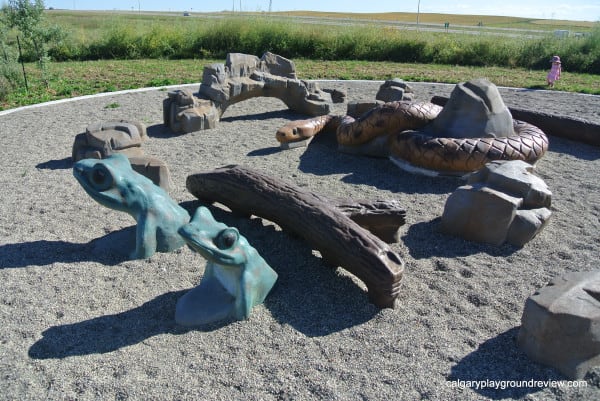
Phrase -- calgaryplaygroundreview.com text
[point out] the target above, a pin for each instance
(506, 384)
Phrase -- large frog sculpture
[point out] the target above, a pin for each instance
(113, 183)
(236, 277)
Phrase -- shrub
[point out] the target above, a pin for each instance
(213, 38)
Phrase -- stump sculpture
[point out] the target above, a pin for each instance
(474, 128)
(242, 77)
(340, 240)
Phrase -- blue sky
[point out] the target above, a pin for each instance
(583, 10)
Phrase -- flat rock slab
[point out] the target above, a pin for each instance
(560, 326)
(102, 139)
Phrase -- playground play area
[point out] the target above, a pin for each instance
(83, 320)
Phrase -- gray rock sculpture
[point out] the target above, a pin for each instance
(560, 326)
(502, 202)
(153, 168)
(103, 139)
(475, 109)
(242, 77)
(392, 90)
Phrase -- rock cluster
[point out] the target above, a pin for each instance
(393, 90)
(560, 326)
(502, 202)
(244, 76)
(102, 139)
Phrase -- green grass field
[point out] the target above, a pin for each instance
(92, 21)
(69, 79)
(108, 51)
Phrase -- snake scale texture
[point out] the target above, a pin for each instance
(401, 120)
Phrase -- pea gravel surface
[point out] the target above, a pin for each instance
(78, 321)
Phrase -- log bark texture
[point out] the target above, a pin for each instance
(572, 128)
(382, 217)
(340, 240)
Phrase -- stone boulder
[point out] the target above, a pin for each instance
(393, 90)
(183, 112)
(560, 326)
(153, 168)
(502, 202)
(475, 109)
(103, 139)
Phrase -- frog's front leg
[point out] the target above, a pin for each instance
(145, 237)
(243, 304)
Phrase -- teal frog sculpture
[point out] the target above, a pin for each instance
(236, 277)
(113, 183)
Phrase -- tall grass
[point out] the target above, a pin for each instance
(214, 38)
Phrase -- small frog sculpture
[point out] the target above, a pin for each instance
(236, 277)
(113, 183)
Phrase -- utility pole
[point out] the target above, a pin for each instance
(270, 4)
(418, 12)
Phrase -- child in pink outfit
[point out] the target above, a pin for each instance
(554, 74)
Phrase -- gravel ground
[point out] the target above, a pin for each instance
(81, 322)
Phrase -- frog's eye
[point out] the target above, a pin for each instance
(227, 238)
(101, 177)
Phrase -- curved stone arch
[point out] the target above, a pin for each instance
(243, 77)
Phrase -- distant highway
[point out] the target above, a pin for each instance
(464, 29)
(402, 25)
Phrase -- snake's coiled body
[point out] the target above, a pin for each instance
(400, 120)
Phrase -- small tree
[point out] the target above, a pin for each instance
(9, 67)
(27, 17)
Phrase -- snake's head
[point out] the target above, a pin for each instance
(288, 133)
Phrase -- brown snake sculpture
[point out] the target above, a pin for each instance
(399, 122)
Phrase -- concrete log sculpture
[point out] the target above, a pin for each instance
(341, 241)
(243, 77)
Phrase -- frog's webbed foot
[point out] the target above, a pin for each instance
(207, 303)
(141, 253)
